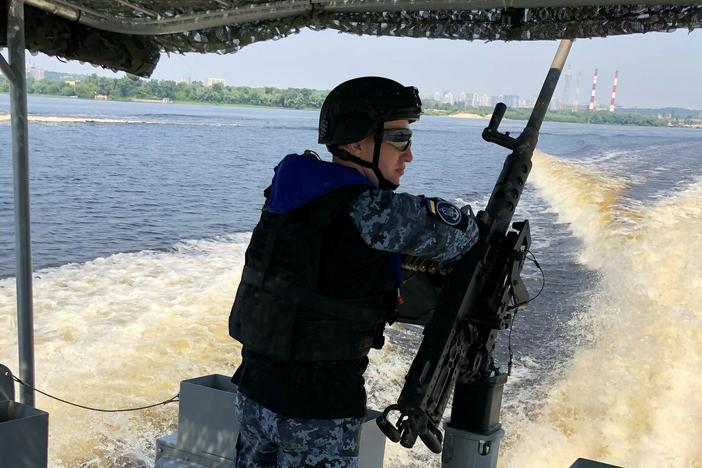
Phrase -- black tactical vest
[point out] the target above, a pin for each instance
(311, 288)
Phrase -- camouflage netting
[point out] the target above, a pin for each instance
(512, 24)
(138, 54)
(73, 41)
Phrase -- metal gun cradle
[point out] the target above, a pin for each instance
(480, 296)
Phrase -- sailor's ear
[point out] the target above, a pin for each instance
(354, 149)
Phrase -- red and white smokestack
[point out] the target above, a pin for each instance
(591, 107)
(614, 91)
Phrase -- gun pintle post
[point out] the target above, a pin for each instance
(472, 307)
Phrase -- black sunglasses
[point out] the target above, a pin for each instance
(400, 138)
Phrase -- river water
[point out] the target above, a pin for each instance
(142, 212)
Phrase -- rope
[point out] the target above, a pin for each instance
(101, 410)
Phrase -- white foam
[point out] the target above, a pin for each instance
(384, 380)
(629, 396)
(123, 331)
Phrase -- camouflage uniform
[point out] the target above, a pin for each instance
(270, 440)
(386, 221)
(404, 223)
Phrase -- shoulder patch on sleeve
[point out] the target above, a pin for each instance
(446, 212)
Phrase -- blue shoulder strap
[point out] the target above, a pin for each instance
(300, 179)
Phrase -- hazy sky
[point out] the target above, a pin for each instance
(655, 69)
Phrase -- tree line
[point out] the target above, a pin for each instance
(126, 88)
(597, 117)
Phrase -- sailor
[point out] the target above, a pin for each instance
(322, 276)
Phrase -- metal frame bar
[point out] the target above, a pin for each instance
(70, 13)
(6, 69)
(138, 8)
(287, 8)
(20, 164)
(544, 99)
(507, 192)
(199, 21)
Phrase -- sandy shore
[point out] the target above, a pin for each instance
(467, 115)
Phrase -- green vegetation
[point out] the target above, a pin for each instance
(88, 87)
(669, 112)
(124, 89)
(598, 117)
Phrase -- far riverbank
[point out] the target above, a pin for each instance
(597, 117)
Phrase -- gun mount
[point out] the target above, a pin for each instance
(480, 296)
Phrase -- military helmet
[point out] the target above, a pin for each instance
(353, 109)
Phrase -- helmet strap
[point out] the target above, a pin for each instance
(383, 183)
(344, 155)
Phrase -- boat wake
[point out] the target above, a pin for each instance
(628, 397)
(123, 331)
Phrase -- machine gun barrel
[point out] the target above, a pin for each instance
(473, 304)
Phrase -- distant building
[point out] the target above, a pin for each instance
(511, 100)
(71, 82)
(485, 101)
(463, 100)
(437, 96)
(100, 97)
(527, 102)
(184, 79)
(474, 100)
(214, 81)
(448, 98)
(35, 72)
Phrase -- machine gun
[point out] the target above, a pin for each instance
(481, 293)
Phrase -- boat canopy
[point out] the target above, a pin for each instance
(130, 35)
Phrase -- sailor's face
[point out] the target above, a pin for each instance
(392, 159)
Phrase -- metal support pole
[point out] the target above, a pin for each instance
(463, 449)
(512, 179)
(20, 162)
(6, 70)
(544, 99)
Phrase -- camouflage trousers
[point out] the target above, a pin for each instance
(267, 439)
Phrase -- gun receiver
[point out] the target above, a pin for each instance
(482, 292)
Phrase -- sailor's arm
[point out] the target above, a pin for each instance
(411, 225)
